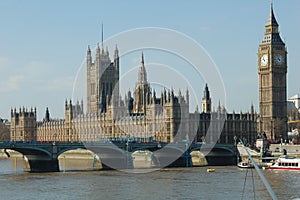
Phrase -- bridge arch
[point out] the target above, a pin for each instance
(222, 150)
(65, 149)
(144, 158)
(78, 159)
(112, 157)
(198, 158)
(218, 154)
(206, 150)
(39, 158)
(36, 151)
(171, 156)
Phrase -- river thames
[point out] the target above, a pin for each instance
(173, 183)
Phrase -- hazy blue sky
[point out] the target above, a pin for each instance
(43, 43)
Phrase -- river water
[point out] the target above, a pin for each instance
(176, 183)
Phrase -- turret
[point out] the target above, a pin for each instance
(206, 94)
(180, 97)
(89, 57)
(69, 111)
(197, 109)
(47, 115)
(97, 52)
(81, 105)
(219, 107)
(106, 52)
(187, 96)
(154, 97)
(252, 109)
(130, 102)
(116, 57)
(172, 96)
(206, 100)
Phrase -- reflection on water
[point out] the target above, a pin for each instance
(143, 159)
(12, 165)
(286, 184)
(177, 183)
(73, 164)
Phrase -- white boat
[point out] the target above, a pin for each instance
(210, 170)
(245, 165)
(286, 163)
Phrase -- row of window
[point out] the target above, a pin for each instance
(288, 164)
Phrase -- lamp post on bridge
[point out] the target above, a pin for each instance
(234, 138)
(54, 138)
(281, 140)
(203, 139)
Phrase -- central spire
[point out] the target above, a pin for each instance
(142, 79)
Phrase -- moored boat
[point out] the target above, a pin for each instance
(245, 165)
(286, 163)
(210, 170)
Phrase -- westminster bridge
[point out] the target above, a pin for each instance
(43, 157)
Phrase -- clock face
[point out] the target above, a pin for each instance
(264, 60)
(278, 59)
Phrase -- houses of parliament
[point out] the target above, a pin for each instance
(165, 117)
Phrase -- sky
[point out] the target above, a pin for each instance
(43, 44)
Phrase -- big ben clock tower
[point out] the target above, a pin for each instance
(272, 69)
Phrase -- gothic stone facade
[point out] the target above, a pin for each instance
(142, 115)
(23, 125)
(4, 130)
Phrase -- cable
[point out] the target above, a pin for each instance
(262, 177)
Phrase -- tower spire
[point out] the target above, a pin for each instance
(271, 20)
(272, 29)
(206, 93)
(142, 79)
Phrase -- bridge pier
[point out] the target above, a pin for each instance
(181, 162)
(221, 160)
(44, 165)
(168, 161)
(125, 162)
